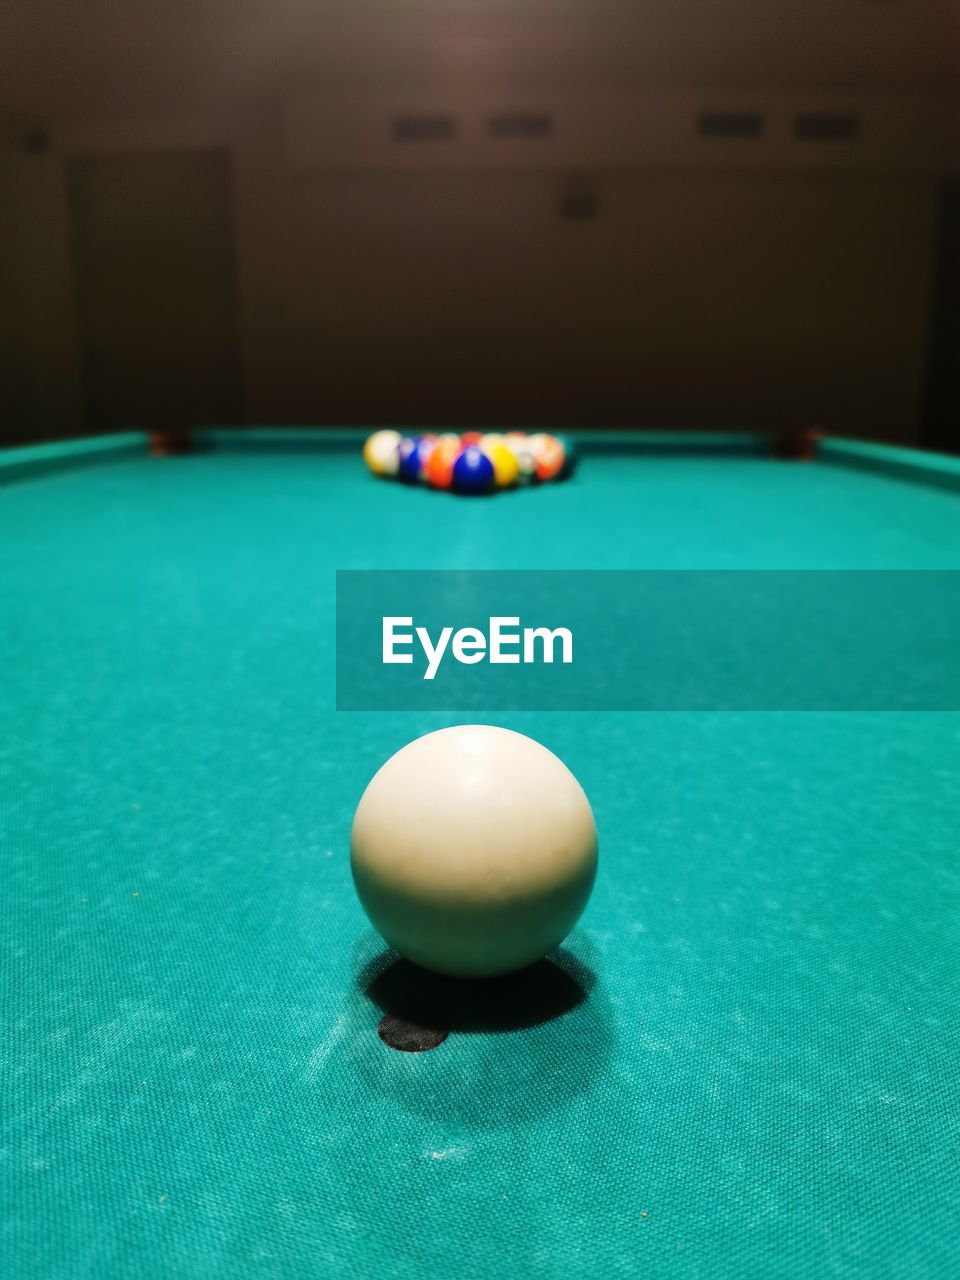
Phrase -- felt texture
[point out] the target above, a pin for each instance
(744, 1063)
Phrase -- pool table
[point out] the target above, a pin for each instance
(745, 1061)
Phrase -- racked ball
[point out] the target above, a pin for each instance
(474, 851)
(505, 468)
(549, 459)
(473, 471)
(518, 442)
(381, 452)
(439, 468)
(413, 453)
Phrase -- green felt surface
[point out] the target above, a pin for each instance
(762, 1077)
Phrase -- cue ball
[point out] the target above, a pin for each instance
(473, 851)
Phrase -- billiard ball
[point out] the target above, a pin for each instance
(537, 441)
(470, 437)
(473, 851)
(412, 454)
(438, 471)
(473, 471)
(526, 463)
(504, 464)
(549, 458)
(380, 452)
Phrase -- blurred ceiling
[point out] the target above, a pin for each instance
(162, 55)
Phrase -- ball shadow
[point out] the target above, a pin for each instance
(518, 1047)
(544, 991)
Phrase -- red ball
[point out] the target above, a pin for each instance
(471, 437)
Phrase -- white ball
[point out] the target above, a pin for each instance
(380, 452)
(474, 851)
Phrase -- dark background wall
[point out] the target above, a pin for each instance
(216, 212)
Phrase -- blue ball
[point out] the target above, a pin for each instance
(473, 471)
(410, 463)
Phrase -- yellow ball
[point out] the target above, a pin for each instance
(380, 452)
(505, 467)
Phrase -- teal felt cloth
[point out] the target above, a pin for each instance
(761, 1077)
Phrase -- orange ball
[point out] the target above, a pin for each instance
(439, 468)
